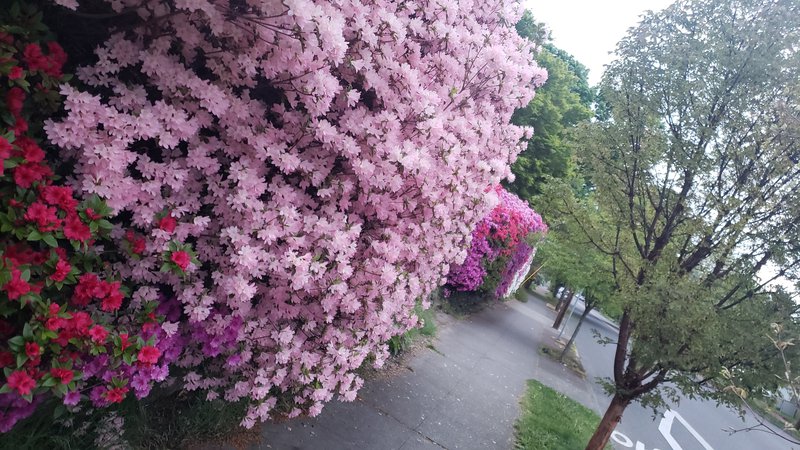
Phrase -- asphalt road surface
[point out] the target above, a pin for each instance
(688, 425)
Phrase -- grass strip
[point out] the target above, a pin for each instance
(552, 421)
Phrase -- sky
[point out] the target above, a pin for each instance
(590, 29)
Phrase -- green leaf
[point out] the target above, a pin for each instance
(16, 343)
(34, 236)
(27, 331)
(59, 411)
(50, 240)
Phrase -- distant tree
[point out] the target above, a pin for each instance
(583, 269)
(534, 31)
(697, 172)
(564, 101)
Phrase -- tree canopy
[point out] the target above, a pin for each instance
(696, 169)
(564, 101)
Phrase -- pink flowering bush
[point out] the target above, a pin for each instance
(69, 331)
(515, 270)
(322, 165)
(502, 245)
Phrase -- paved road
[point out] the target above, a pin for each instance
(640, 430)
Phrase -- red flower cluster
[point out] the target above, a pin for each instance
(50, 269)
(62, 375)
(21, 382)
(136, 242)
(15, 99)
(149, 355)
(17, 287)
(50, 64)
(116, 395)
(91, 287)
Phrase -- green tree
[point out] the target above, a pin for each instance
(580, 267)
(564, 101)
(696, 172)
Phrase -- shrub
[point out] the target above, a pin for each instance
(502, 248)
(303, 172)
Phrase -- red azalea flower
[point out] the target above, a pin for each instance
(54, 62)
(80, 323)
(84, 291)
(60, 196)
(116, 395)
(30, 149)
(63, 375)
(62, 270)
(123, 341)
(17, 287)
(92, 215)
(167, 223)
(27, 174)
(63, 337)
(5, 148)
(14, 100)
(148, 327)
(180, 258)
(53, 309)
(136, 242)
(6, 359)
(21, 382)
(149, 355)
(113, 298)
(32, 349)
(76, 230)
(43, 216)
(56, 52)
(98, 334)
(33, 56)
(54, 323)
(20, 126)
(15, 73)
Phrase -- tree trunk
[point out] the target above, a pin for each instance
(561, 298)
(586, 311)
(563, 310)
(608, 423)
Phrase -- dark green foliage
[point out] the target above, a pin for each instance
(563, 101)
(166, 421)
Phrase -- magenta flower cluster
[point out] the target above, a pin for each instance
(505, 234)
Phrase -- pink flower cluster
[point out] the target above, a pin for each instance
(503, 239)
(327, 159)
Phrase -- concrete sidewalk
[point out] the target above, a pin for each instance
(461, 394)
